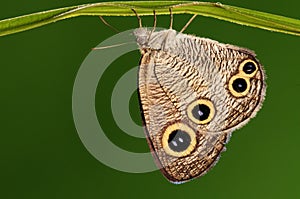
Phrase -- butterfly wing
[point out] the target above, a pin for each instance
(193, 93)
(165, 92)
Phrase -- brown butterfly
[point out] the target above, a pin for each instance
(194, 92)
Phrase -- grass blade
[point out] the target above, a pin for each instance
(216, 10)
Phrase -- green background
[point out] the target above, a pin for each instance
(43, 157)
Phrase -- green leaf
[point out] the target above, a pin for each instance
(224, 12)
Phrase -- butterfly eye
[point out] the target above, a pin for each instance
(179, 140)
(201, 111)
(239, 86)
(248, 68)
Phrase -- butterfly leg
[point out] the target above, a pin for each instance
(188, 23)
(171, 18)
(139, 18)
(107, 24)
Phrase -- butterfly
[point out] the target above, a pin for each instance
(194, 92)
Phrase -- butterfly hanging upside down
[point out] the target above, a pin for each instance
(194, 92)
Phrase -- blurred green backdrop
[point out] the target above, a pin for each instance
(43, 157)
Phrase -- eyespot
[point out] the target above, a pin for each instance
(179, 140)
(201, 111)
(239, 86)
(248, 68)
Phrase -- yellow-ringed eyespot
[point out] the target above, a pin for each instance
(248, 68)
(179, 140)
(239, 85)
(201, 111)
